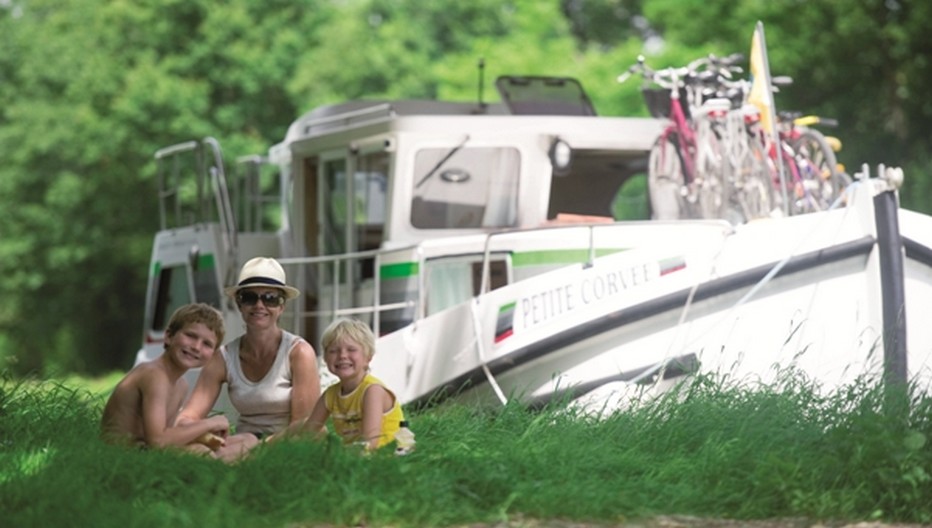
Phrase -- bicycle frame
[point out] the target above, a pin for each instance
(685, 135)
(794, 186)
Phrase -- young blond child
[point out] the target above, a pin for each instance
(363, 410)
(143, 406)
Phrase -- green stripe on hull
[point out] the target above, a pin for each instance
(557, 256)
(203, 262)
(399, 270)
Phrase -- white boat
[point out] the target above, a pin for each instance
(479, 241)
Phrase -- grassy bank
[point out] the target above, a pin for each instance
(715, 450)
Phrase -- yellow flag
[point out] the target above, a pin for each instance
(761, 94)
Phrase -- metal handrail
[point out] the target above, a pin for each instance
(372, 113)
(222, 197)
(376, 308)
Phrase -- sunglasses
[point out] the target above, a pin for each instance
(270, 299)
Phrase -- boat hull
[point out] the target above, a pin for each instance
(800, 294)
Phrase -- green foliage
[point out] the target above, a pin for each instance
(713, 449)
(89, 91)
(605, 23)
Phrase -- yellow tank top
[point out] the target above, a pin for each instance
(346, 412)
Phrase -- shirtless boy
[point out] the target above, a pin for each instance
(143, 406)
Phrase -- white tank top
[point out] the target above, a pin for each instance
(264, 406)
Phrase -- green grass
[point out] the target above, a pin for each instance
(715, 449)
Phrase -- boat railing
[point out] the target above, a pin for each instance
(341, 287)
(339, 284)
(258, 194)
(364, 115)
(590, 249)
(197, 163)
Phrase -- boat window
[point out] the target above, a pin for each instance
(357, 224)
(631, 201)
(454, 280)
(334, 207)
(370, 187)
(473, 187)
(370, 184)
(257, 191)
(597, 184)
(206, 289)
(172, 291)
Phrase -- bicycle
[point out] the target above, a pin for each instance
(686, 162)
(821, 176)
(806, 173)
(753, 194)
(806, 176)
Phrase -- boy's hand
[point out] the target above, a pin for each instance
(214, 442)
(220, 426)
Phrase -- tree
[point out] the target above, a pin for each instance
(90, 90)
(85, 106)
(860, 61)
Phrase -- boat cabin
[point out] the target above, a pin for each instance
(383, 209)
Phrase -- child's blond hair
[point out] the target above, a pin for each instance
(353, 329)
(197, 313)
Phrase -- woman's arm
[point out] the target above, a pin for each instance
(206, 391)
(312, 425)
(305, 382)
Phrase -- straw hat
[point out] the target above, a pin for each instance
(262, 272)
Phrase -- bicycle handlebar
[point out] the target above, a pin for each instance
(704, 70)
(809, 120)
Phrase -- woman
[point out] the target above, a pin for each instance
(272, 375)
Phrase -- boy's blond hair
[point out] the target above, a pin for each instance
(353, 329)
(197, 313)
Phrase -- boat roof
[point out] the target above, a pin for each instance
(520, 95)
(638, 133)
(341, 116)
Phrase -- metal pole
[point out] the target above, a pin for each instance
(890, 251)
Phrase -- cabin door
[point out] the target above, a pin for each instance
(351, 193)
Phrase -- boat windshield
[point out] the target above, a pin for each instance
(474, 187)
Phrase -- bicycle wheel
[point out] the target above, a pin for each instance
(754, 184)
(818, 168)
(665, 181)
(712, 193)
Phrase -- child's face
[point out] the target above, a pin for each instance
(346, 359)
(193, 345)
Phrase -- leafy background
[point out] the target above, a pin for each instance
(90, 89)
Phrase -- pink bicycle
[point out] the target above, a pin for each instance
(685, 174)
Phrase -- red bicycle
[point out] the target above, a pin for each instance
(686, 167)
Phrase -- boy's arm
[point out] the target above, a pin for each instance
(317, 421)
(375, 402)
(305, 383)
(156, 391)
(206, 391)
